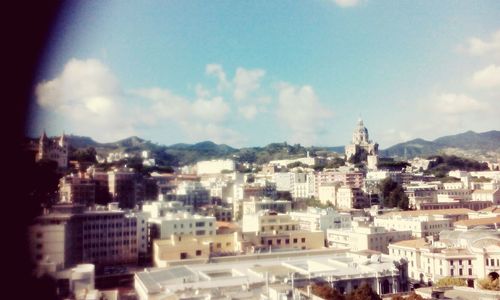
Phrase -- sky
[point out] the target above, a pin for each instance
(250, 73)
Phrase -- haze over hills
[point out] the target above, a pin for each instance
(468, 144)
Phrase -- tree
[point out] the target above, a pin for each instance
(393, 194)
(492, 282)
(326, 292)
(450, 281)
(363, 292)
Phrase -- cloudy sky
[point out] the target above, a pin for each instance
(248, 73)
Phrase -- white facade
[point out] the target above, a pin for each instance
(252, 207)
(363, 236)
(160, 208)
(215, 166)
(321, 219)
(183, 224)
(420, 226)
(248, 277)
(469, 255)
(349, 198)
(327, 193)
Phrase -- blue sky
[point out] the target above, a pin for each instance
(248, 73)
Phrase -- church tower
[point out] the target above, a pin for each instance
(362, 143)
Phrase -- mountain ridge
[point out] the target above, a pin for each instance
(468, 143)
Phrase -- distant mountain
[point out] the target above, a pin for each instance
(468, 144)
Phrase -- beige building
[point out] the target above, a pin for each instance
(77, 188)
(269, 230)
(180, 247)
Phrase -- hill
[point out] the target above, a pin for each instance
(479, 146)
(468, 144)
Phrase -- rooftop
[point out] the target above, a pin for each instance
(478, 222)
(444, 212)
(418, 243)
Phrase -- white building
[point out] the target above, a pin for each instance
(215, 166)
(487, 195)
(327, 193)
(349, 198)
(181, 224)
(421, 223)
(321, 219)
(254, 206)
(363, 236)
(160, 208)
(470, 255)
(247, 277)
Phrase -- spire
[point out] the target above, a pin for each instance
(62, 140)
(44, 135)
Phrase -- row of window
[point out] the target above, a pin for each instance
(278, 241)
(491, 262)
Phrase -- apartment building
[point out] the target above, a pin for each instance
(70, 234)
(77, 188)
(269, 230)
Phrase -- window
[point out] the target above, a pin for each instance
(198, 252)
(451, 272)
(287, 241)
(492, 262)
(470, 262)
(183, 255)
(295, 241)
(303, 240)
(451, 262)
(487, 262)
(460, 272)
(278, 241)
(470, 271)
(269, 242)
(200, 224)
(459, 262)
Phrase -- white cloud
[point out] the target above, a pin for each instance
(198, 120)
(300, 111)
(488, 77)
(88, 96)
(347, 3)
(246, 81)
(477, 47)
(248, 112)
(449, 103)
(167, 105)
(218, 71)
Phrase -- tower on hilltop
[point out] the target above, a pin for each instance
(53, 149)
(361, 147)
